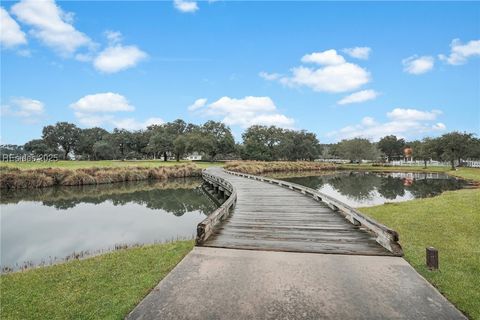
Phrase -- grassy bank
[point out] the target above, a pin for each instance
(103, 287)
(15, 178)
(72, 164)
(260, 167)
(451, 223)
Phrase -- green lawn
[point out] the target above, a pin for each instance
(72, 164)
(108, 286)
(449, 222)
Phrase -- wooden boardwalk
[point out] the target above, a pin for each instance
(285, 273)
(269, 217)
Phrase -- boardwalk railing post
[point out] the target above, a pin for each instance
(432, 258)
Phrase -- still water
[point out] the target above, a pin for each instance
(43, 225)
(362, 189)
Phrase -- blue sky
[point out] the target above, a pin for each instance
(339, 69)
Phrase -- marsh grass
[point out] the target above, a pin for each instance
(259, 167)
(14, 178)
(76, 164)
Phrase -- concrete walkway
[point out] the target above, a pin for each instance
(215, 283)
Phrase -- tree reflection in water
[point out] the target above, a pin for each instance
(176, 196)
(45, 225)
(376, 188)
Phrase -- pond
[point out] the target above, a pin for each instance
(362, 189)
(42, 226)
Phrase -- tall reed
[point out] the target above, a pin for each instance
(259, 167)
(13, 178)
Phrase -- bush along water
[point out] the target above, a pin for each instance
(14, 178)
(259, 167)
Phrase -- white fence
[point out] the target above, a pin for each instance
(465, 163)
(472, 163)
(333, 160)
(419, 163)
(431, 163)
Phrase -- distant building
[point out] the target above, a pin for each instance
(194, 156)
(408, 154)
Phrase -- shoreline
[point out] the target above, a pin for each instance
(15, 178)
(84, 255)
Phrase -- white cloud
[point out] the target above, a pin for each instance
(360, 96)
(24, 53)
(401, 114)
(99, 120)
(333, 75)
(113, 37)
(439, 126)
(248, 111)
(275, 119)
(92, 119)
(402, 123)
(368, 121)
(10, 33)
(96, 110)
(117, 58)
(185, 6)
(51, 25)
(333, 78)
(418, 65)
(269, 76)
(23, 107)
(199, 103)
(358, 52)
(102, 102)
(328, 57)
(132, 124)
(459, 53)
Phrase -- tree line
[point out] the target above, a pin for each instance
(451, 147)
(214, 140)
(172, 139)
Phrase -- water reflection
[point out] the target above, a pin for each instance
(44, 224)
(359, 189)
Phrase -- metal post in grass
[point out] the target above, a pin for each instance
(432, 258)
